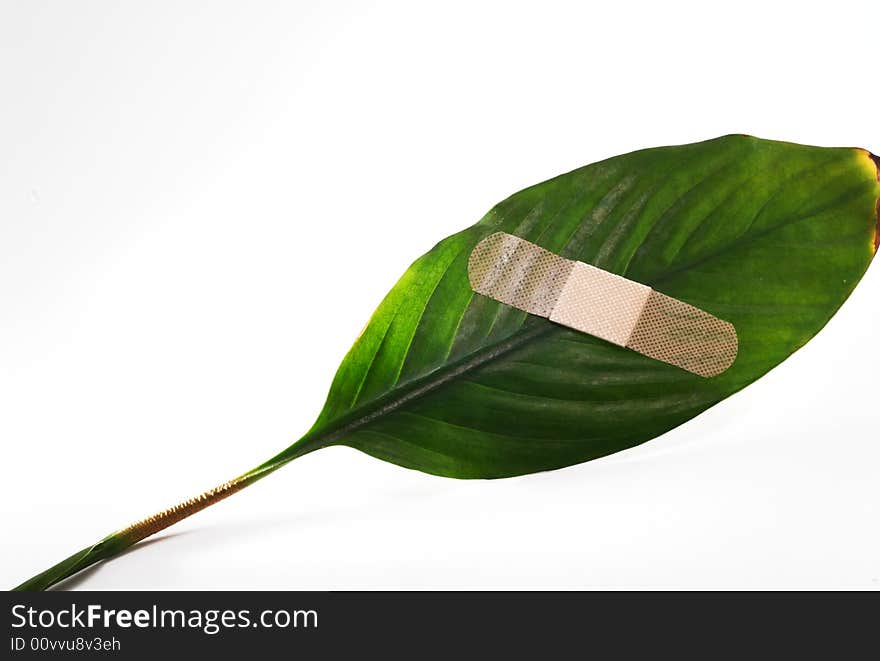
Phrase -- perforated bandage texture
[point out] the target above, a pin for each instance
(588, 299)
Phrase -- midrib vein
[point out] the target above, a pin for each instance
(402, 395)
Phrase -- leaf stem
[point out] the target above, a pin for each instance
(117, 542)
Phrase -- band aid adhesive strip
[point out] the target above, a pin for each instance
(627, 313)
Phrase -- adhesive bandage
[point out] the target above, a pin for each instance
(627, 313)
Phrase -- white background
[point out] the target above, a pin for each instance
(175, 176)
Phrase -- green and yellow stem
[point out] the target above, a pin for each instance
(115, 543)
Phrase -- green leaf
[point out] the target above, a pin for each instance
(771, 236)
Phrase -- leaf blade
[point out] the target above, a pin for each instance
(772, 236)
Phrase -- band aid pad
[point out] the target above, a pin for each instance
(588, 299)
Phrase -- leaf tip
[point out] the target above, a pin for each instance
(877, 225)
(876, 161)
(873, 162)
